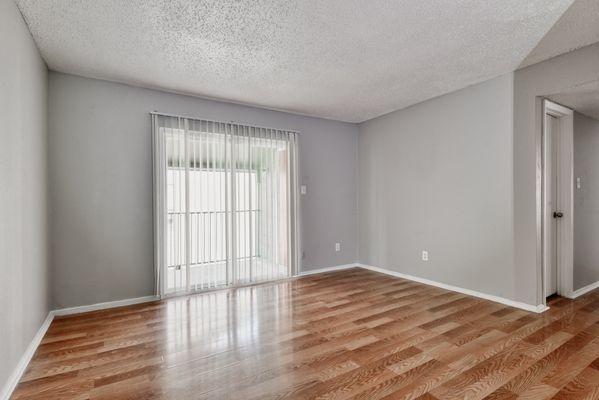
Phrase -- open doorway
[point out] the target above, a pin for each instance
(570, 168)
(584, 101)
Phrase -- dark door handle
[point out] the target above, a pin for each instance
(558, 214)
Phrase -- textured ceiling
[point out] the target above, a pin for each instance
(578, 27)
(583, 98)
(349, 60)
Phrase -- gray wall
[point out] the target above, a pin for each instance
(586, 200)
(530, 85)
(23, 211)
(101, 184)
(437, 176)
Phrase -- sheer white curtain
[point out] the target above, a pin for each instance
(225, 204)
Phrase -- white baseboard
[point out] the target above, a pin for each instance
(102, 306)
(15, 377)
(327, 269)
(584, 290)
(528, 307)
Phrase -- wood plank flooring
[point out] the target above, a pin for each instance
(352, 334)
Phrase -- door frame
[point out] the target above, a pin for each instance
(565, 194)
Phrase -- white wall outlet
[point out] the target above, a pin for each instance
(337, 246)
(578, 184)
(424, 255)
(303, 189)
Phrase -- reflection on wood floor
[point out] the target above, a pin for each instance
(352, 334)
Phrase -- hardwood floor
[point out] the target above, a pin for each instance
(352, 334)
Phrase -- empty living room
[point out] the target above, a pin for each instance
(301, 199)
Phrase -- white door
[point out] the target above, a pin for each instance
(552, 207)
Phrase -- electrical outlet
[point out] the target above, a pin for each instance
(337, 246)
(303, 189)
(424, 255)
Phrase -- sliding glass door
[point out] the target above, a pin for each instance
(225, 204)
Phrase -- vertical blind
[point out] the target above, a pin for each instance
(225, 198)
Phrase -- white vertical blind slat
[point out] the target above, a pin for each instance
(187, 206)
(234, 202)
(278, 201)
(181, 199)
(251, 213)
(227, 223)
(202, 217)
(272, 206)
(261, 206)
(210, 206)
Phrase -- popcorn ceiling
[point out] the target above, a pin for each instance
(350, 60)
(577, 27)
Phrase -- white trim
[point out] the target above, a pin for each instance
(102, 306)
(15, 377)
(527, 307)
(583, 290)
(327, 269)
